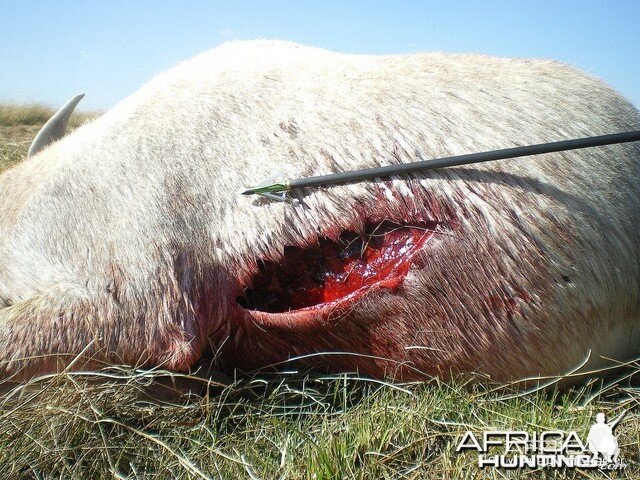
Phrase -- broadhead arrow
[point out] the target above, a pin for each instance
(276, 186)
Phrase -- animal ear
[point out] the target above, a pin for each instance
(55, 127)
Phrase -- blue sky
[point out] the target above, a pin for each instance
(51, 50)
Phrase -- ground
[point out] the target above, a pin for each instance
(289, 426)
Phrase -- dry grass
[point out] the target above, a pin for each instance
(19, 124)
(12, 115)
(289, 426)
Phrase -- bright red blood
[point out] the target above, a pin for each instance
(330, 272)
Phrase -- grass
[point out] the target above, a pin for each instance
(287, 426)
(19, 124)
(30, 114)
(294, 428)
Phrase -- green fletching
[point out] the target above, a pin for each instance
(272, 188)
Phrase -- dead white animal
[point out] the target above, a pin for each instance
(126, 241)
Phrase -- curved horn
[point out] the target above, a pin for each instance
(55, 127)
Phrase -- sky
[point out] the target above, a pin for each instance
(51, 50)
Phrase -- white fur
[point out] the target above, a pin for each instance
(158, 175)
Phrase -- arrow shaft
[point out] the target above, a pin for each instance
(424, 165)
